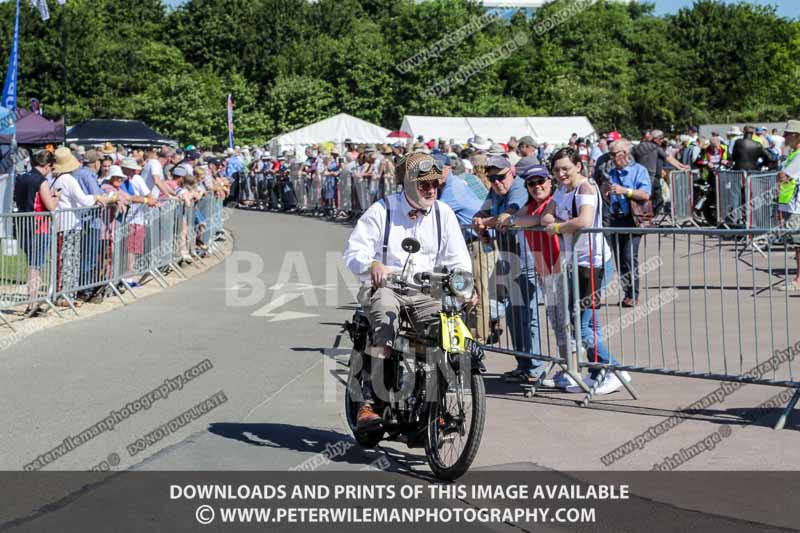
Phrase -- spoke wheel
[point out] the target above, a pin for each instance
(455, 426)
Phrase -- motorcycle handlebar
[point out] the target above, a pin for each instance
(427, 277)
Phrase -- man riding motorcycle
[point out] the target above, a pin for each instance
(374, 251)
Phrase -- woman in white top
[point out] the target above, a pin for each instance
(576, 205)
(69, 223)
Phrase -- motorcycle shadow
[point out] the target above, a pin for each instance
(336, 447)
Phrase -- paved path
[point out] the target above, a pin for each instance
(275, 361)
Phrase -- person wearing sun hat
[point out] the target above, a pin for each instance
(68, 224)
(140, 199)
(374, 250)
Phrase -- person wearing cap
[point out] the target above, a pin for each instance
(69, 224)
(32, 193)
(789, 198)
(543, 252)
(760, 136)
(506, 197)
(749, 154)
(527, 147)
(416, 213)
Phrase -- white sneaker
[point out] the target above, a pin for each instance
(611, 384)
(561, 380)
(576, 389)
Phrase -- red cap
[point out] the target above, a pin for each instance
(613, 136)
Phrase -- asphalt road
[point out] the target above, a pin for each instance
(267, 319)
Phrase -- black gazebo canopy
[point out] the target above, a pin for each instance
(117, 131)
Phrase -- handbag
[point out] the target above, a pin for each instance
(642, 213)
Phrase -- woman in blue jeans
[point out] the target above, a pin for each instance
(575, 206)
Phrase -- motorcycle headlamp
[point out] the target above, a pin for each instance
(462, 283)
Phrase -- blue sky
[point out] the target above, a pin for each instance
(786, 8)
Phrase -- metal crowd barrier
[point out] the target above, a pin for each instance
(701, 313)
(730, 198)
(345, 190)
(681, 186)
(361, 189)
(28, 267)
(53, 256)
(762, 200)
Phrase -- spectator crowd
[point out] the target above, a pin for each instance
(493, 187)
(106, 202)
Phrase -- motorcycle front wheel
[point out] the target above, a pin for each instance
(455, 426)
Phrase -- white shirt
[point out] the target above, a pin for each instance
(152, 169)
(779, 142)
(72, 197)
(136, 211)
(366, 242)
(601, 252)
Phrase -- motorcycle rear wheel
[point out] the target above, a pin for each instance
(448, 428)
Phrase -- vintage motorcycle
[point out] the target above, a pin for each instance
(432, 393)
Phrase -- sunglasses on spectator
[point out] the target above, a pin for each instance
(496, 177)
(532, 182)
(615, 154)
(427, 185)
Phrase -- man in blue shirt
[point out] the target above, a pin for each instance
(454, 192)
(234, 171)
(628, 182)
(91, 253)
(517, 283)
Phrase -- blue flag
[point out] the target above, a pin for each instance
(9, 98)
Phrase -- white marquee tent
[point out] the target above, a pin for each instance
(334, 129)
(552, 130)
